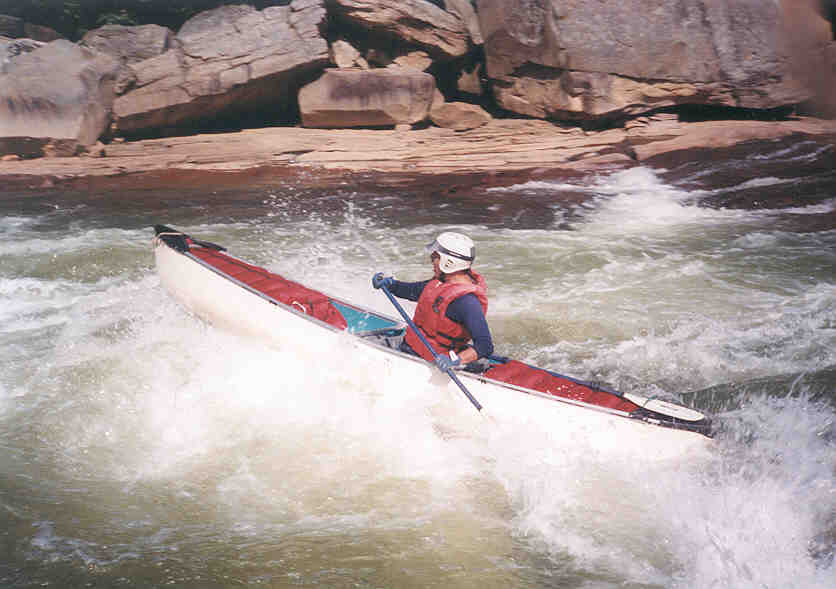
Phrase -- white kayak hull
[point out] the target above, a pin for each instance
(231, 305)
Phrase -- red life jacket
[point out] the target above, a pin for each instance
(431, 316)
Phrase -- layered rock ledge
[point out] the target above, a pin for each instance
(512, 148)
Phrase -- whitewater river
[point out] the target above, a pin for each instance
(141, 447)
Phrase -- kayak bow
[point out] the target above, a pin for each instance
(252, 300)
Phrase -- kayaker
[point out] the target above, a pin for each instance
(451, 305)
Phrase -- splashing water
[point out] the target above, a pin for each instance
(141, 443)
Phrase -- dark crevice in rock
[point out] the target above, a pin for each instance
(829, 12)
(695, 113)
(248, 107)
(537, 72)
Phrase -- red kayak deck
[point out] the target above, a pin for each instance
(291, 293)
(318, 305)
(529, 377)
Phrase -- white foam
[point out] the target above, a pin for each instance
(750, 517)
(754, 183)
(61, 243)
(540, 186)
(133, 390)
(821, 208)
(639, 202)
(795, 152)
(756, 240)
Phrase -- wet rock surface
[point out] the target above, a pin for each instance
(513, 147)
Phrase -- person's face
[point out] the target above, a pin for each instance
(436, 259)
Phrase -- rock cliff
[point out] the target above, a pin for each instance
(331, 63)
(224, 62)
(582, 59)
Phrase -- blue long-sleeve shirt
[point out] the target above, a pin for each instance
(466, 310)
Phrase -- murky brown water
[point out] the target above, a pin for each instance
(140, 447)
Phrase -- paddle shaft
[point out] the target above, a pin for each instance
(414, 328)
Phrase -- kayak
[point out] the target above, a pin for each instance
(247, 299)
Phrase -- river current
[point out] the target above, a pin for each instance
(141, 447)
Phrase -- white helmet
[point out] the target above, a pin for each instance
(456, 251)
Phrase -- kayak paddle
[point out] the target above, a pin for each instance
(414, 328)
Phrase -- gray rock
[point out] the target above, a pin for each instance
(11, 48)
(367, 98)
(130, 44)
(571, 59)
(59, 94)
(227, 60)
(441, 34)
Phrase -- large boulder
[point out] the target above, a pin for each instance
(58, 94)
(225, 62)
(130, 44)
(11, 48)
(573, 59)
(419, 23)
(367, 98)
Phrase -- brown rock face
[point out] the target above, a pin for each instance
(465, 11)
(367, 98)
(582, 59)
(231, 59)
(57, 94)
(459, 116)
(441, 34)
(345, 55)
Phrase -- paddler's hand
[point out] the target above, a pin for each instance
(445, 362)
(378, 280)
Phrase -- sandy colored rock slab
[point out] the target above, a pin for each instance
(719, 134)
(501, 146)
(459, 116)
